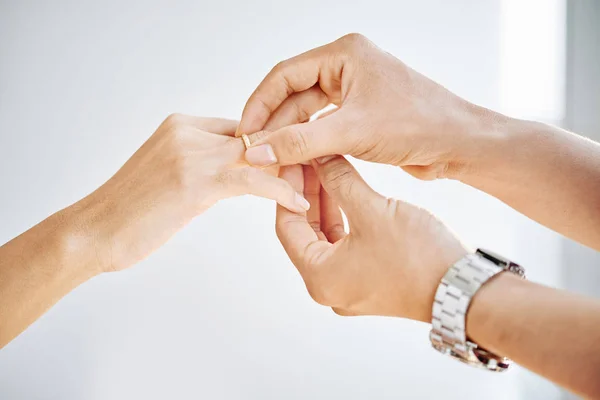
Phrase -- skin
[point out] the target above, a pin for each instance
(394, 255)
(185, 167)
(389, 113)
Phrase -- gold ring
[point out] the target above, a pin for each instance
(246, 141)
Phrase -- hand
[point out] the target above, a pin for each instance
(187, 165)
(388, 113)
(391, 261)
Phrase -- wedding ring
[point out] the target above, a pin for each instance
(246, 141)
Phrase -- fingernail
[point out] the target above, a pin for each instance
(261, 156)
(323, 160)
(301, 202)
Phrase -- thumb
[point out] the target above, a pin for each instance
(346, 187)
(298, 143)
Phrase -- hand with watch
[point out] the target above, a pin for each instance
(398, 259)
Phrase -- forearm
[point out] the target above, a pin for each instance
(40, 266)
(546, 173)
(550, 332)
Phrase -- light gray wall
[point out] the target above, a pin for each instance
(581, 265)
(220, 312)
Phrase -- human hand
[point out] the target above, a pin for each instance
(387, 113)
(391, 261)
(185, 167)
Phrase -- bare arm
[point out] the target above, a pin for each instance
(549, 174)
(178, 173)
(389, 113)
(393, 259)
(39, 267)
(551, 332)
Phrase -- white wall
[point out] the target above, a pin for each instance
(83, 84)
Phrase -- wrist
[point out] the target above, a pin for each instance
(449, 257)
(76, 242)
(471, 277)
(488, 306)
(488, 143)
(86, 235)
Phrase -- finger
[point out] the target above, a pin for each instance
(256, 182)
(332, 223)
(301, 142)
(297, 108)
(299, 240)
(220, 126)
(346, 187)
(294, 75)
(312, 193)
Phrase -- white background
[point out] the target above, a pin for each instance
(220, 312)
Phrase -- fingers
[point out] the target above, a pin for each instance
(346, 187)
(298, 238)
(294, 75)
(301, 142)
(219, 126)
(332, 223)
(312, 193)
(297, 108)
(256, 182)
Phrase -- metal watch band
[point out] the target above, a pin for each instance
(452, 300)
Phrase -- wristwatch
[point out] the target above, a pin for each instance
(451, 304)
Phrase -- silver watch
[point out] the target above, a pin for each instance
(451, 304)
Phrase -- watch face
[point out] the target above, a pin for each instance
(500, 261)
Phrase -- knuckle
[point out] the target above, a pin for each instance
(279, 67)
(258, 136)
(238, 177)
(266, 108)
(335, 230)
(246, 176)
(296, 142)
(282, 227)
(353, 40)
(174, 119)
(302, 114)
(339, 177)
(224, 178)
(280, 73)
(315, 225)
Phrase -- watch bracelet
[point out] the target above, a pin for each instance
(451, 304)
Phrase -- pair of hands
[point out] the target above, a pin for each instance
(394, 255)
